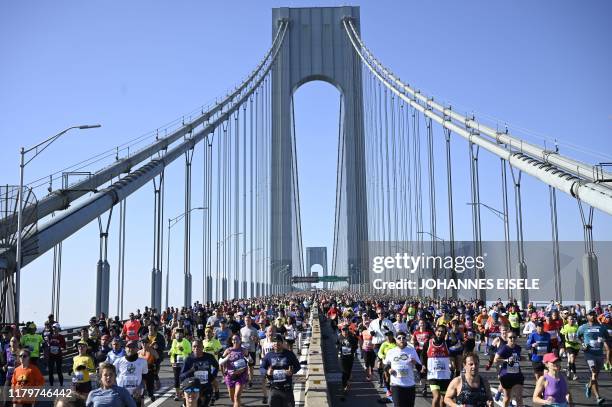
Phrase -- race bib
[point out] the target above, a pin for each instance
(439, 365)
(54, 349)
(179, 359)
(200, 326)
(571, 337)
(346, 350)
(279, 376)
(401, 368)
(131, 332)
(202, 376)
(541, 349)
(240, 364)
(290, 335)
(131, 381)
(298, 323)
(553, 334)
(515, 366)
(591, 363)
(595, 344)
(77, 377)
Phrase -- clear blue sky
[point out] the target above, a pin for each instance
(133, 66)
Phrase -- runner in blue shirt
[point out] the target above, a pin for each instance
(594, 339)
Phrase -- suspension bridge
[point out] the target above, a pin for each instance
(395, 183)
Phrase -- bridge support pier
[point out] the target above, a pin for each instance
(103, 268)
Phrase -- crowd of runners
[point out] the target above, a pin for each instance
(412, 346)
(408, 346)
(118, 362)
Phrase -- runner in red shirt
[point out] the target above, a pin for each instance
(553, 325)
(131, 328)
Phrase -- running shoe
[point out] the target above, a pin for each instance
(600, 401)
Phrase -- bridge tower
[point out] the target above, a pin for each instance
(317, 48)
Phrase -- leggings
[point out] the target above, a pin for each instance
(149, 380)
(347, 367)
(55, 365)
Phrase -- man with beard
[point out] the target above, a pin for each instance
(131, 370)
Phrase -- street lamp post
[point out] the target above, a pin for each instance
(171, 223)
(38, 148)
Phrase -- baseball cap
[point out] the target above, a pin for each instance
(550, 357)
(190, 383)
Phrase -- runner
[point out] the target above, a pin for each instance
(33, 342)
(235, 366)
(82, 366)
(367, 347)
(150, 355)
(179, 351)
(470, 389)
(539, 343)
(570, 345)
(280, 365)
(594, 339)
(116, 351)
(26, 375)
(131, 370)
(436, 363)
(56, 345)
(402, 361)
(204, 367)
(250, 339)
(213, 347)
(419, 338)
(551, 389)
(347, 346)
(511, 377)
(266, 345)
(109, 393)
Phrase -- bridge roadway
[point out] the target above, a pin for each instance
(363, 393)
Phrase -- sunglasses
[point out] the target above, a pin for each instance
(401, 338)
(192, 390)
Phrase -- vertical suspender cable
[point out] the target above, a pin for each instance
(432, 199)
(449, 193)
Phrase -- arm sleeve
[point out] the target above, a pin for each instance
(215, 364)
(265, 362)
(186, 367)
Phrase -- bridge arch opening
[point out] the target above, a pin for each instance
(316, 115)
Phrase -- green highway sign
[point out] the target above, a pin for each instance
(332, 279)
(314, 280)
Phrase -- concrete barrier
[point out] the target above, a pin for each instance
(316, 394)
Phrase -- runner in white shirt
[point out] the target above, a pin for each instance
(402, 361)
(130, 370)
(266, 344)
(250, 338)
